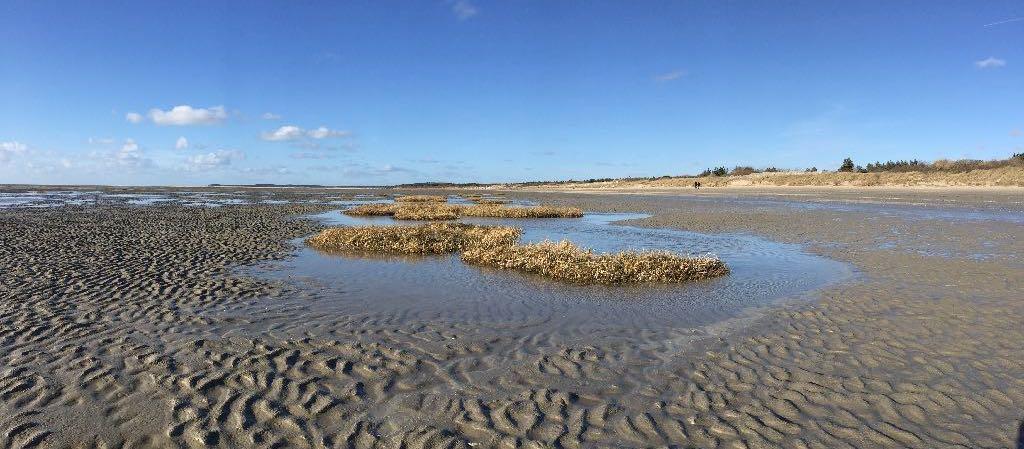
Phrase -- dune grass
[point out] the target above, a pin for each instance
(431, 238)
(421, 199)
(445, 211)
(568, 262)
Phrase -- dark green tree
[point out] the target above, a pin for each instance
(847, 165)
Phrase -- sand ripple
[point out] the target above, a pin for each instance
(126, 327)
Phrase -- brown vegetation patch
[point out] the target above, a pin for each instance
(427, 211)
(421, 199)
(496, 211)
(375, 210)
(568, 262)
(445, 211)
(433, 238)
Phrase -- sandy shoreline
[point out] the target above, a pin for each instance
(132, 326)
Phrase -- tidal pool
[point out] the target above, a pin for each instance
(406, 289)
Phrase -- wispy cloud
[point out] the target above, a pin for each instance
(312, 155)
(990, 63)
(324, 132)
(130, 156)
(670, 76)
(463, 9)
(292, 132)
(1015, 19)
(10, 149)
(210, 161)
(181, 143)
(270, 116)
(133, 117)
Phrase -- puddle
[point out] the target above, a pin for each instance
(441, 288)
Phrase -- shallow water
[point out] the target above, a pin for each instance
(442, 288)
(869, 206)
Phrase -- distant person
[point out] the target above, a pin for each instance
(1020, 435)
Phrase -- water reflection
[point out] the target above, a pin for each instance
(443, 288)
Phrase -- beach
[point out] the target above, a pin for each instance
(149, 324)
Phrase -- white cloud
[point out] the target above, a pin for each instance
(101, 140)
(990, 63)
(287, 132)
(181, 143)
(464, 9)
(670, 76)
(185, 115)
(209, 161)
(133, 117)
(291, 132)
(130, 155)
(9, 149)
(270, 116)
(324, 132)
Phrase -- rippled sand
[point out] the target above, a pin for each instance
(134, 326)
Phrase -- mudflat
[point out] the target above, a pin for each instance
(142, 323)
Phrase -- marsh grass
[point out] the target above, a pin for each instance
(431, 238)
(427, 211)
(490, 201)
(498, 211)
(568, 262)
(446, 211)
(373, 210)
(421, 199)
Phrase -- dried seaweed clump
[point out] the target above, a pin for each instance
(568, 262)
(521, 212)
(432, 238)
(421, 199)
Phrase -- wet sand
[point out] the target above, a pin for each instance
(136, 326)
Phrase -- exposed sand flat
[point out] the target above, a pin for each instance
(123, 326)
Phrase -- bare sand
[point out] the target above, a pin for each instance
(132, 326)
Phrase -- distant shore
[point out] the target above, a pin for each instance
(1000, 178)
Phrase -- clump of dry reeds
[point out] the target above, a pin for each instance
(446, 211)
(492, 201)
(568, 262)
(421, 199)
(497, 211)
(373, 210)
(432, 238)
(427, 211)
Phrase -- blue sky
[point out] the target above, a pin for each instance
(381, 92)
